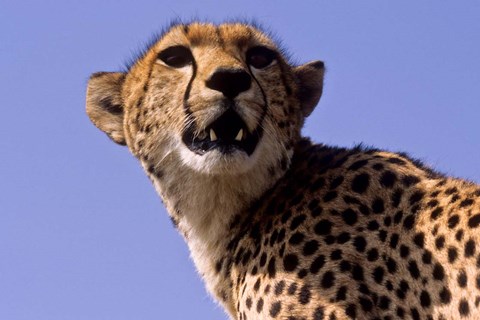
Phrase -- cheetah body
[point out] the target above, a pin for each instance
(278, 227)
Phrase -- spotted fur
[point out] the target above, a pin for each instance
(292, 230)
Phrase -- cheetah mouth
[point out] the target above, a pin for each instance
(226, 134)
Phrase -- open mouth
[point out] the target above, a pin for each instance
(226, 134)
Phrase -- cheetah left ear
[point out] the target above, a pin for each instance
(309, 79)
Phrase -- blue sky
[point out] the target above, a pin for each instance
(83, 234)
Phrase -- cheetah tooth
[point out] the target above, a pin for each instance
(239, 135)
(213, 135)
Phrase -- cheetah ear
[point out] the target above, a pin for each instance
(309, 78)
(105, 105)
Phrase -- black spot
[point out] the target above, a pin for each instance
(329, 196)
(318, 314)
(248, 302)
(438, 272)
(378, 166)
(437, 212)
(357, 165)
(463, 308)
(271, 267)
(382, 235)
(310, 247)
(279, 287)
(440, 242)
(373, 225)
(345, 266)
(391, 265)
(397, 197)
(453, 221)
(357, 272)
(469, 248)
(336, 255)
(292, 288)
(425, 300)
(410, 180)
(394, 240)
(404, 251)
(450, 191)
(304, 295)
(290, 262)
(466, 203)
(323, 227)
(413, 269)
(384, 302)
(328, 280)
(343, 237)
(302, 273)
(462, 279)
(263, 259)
(459, 235)
(360, 183)
(388, 179)
(400, 312)
(372, 254)
(349, 216)
(452, 254)
(360, 243)
(351, 311)
(317, 264)
(341, 294)
(397, 161)
(259, 305)
(445, 296)
(378, 205)
(398, 217)
(387, 221)
(275, 309)
(336, 182)
(419, 239)
(415, 314)
(256, 286)
(378, 274)
(474, 221)
(416, 197)
(296, 238)
(286, 215)
(427, 257)
(366, 304)
(408, 222)
(298, 220)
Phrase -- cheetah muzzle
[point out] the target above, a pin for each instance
(227, 134)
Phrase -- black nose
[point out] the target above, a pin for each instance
(230, 82)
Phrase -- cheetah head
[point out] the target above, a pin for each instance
(217, 99)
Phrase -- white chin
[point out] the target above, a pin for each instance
(215, 162)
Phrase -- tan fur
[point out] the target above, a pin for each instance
(294, 230)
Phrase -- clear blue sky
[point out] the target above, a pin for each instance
(83, 234)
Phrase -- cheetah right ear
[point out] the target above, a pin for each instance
(105, 105)
(309, 78)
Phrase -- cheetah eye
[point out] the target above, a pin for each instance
(260, 57)
(176, 56)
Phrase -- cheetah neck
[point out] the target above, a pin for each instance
(203, 207)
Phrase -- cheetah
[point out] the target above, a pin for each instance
(279, 227)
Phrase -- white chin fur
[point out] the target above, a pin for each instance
(215, 162)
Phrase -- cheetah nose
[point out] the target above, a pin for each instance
(230, 82)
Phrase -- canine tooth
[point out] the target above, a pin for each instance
(239, 135)
(213, 135)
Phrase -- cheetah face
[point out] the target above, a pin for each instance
(220, 99)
